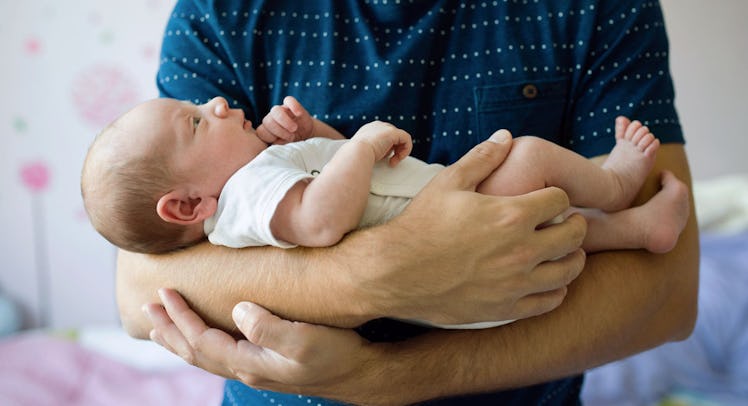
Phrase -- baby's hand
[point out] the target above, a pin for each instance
(386, 140)
(286, 123)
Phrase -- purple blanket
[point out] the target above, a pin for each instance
(711, 366)
(38, 369)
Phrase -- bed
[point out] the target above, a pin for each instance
(101, 365)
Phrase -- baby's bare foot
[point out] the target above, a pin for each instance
(630, 161)
(665, 215)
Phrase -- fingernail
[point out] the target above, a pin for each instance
(240, 312)
(161, 293)
(153, 336)
(499, 137)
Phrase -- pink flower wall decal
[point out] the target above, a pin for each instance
(35, 176)
(149, 52)
(33, 46)
(102, 92)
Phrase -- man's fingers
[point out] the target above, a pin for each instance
(161, 324)
(549, 282)
(479, 162)
(559, 239)
(263, 328)
(556, 274)
(183, 317)
(539, 303)
(166, 333)
(179, 329)
(543, 205)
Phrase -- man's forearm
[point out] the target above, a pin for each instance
(300, 284)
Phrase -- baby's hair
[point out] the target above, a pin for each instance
(120, 195)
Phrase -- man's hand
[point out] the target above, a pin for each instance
(277, 354)
(487, 258)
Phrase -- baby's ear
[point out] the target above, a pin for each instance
(179, 208)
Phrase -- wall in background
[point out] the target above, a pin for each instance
(709, 62)
(69, 68)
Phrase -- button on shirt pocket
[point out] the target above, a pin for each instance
(532, 107)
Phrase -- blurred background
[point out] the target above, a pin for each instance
(68, 69)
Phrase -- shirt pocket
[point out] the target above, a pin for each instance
(529, 107)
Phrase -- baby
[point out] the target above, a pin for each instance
(168, 173)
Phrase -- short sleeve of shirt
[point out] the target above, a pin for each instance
(622, 70)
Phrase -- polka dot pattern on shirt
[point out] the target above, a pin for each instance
(353, 71)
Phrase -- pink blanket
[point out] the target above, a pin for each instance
(38, 370)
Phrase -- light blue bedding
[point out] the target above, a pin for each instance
(711, 367)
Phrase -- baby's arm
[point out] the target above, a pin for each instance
(320, 212)
(291, 122)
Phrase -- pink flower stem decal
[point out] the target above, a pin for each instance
(35, 176)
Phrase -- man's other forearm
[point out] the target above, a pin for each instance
(623, 303)
(604, 318)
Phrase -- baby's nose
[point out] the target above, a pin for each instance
(220, 106)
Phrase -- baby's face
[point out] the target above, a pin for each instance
(208, 142)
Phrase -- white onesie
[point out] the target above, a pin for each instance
(249, 198)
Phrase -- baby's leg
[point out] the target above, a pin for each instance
(521, 171)
(654, 226)
(534, 163)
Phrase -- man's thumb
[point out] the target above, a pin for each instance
(480, 161)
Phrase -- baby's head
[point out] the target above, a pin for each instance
(154, 175)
